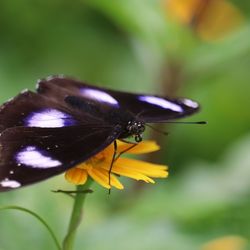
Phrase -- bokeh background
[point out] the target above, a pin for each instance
(198, 49)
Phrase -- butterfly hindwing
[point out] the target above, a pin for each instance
(30, 154)
(148, 108)
(41, 137)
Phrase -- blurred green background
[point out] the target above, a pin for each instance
(134, 45)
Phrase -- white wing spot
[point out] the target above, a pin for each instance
(190, 103)
(49, 118)
(33, 157)
(99, 96)
(161, 103)
(10, 183)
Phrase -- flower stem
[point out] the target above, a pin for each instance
(76, 216)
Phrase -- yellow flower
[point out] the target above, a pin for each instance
(97, 167)
(212, 20)
(232, 242)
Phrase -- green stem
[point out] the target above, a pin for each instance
(76, 217)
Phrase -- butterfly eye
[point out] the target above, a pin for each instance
(136, 128)
(140, 127)
(161, 103)
(49, 118)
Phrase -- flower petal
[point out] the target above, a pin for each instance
(76, 176)
(98, 166)
(141, 148)
(102, 177)
(124, 171)
(142, 167)
(108, 151)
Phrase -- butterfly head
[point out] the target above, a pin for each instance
(136, 128)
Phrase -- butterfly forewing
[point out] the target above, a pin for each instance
(148, 108)
(29, 109)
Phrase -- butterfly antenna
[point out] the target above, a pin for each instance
(166, 133)
(157, 130)
(199, 122)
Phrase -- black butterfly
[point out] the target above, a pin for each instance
(66, 122)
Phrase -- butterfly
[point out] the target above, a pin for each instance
(66, 121)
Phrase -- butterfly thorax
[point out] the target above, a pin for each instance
(130, 125)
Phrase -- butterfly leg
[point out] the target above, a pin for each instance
(116, 156)
(112, 163)
(133, 144)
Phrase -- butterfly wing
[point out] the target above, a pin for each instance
(41, 138)
(149, 108)
(29, 155)
(33, 110)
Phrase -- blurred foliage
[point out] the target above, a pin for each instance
(134, 45)
(211, 20)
